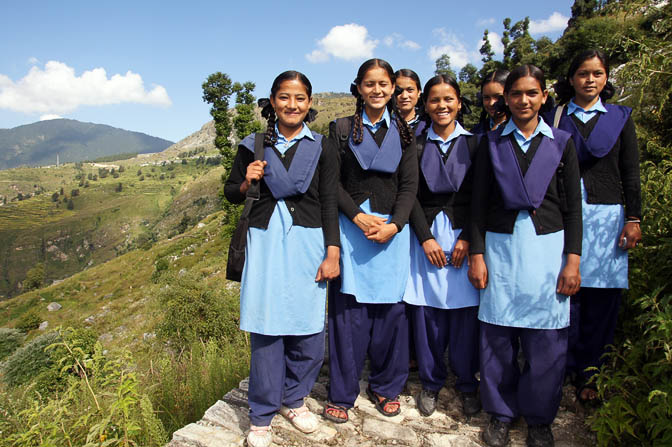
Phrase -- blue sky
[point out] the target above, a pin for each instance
(139, 65)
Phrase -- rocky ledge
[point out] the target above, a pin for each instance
(226, 423)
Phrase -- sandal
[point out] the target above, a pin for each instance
(259, 436)
(381, 405)
(332, 411)
(301, 418)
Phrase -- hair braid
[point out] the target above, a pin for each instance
(357, 127)
(404, 130)
(270, 137)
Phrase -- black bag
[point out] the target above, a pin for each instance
(236, 259)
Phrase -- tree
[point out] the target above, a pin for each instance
(469, 74)
(506, 40)
(34, 277)
(71, 204)
(581, 9)
(245, 121)
(54, 197)
(443, 66)
(486, 51)
(217, 90)
(118, 188)
(521, 49)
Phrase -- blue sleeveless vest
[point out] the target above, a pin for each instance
(286, 183)
(525, 192)
(444, 177)
(384, 158)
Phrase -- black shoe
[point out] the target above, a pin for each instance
(470, 403)
(540, 436)
(426, 401)
(496, 434)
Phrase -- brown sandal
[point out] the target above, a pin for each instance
(332, 410)
(381, 405)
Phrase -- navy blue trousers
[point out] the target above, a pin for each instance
(592, 323)
(355, 329)
(535, 394)
(283, 370)
(434, 330)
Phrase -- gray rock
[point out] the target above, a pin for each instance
(105, 337)
(89, 319)
(195, 435)
(148, 336)
(389, 431)
(443, 440)
(53, 307)
(44, 325)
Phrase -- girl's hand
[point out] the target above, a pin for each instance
(366, 221)
(459, 252)
(381, 233)
(478, 271)
(255, 171)
(330, 267)
(434, 253)
(569, 280)
(632, 233)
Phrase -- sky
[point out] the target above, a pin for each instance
(139, 65)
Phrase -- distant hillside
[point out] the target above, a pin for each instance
(37, 144)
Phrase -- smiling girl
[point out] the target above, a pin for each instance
(442, 304)
(606, 144)
(524, 255)
(378, 182)
(409, 101)
(492, 94)
(292, 250)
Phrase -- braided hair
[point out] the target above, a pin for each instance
(563, 88)
(267, 111)
(357, 126)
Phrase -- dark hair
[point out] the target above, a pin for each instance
(357, 126)
(446, 79)
(563, 88)
(271, 137)
(535, 72)
(499, 76)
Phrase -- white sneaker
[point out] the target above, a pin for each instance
(301, 418)
(259, 436)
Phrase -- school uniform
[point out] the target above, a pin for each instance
(606, 144)
(484, 126)
(442, 303)
(281, 305)
(418, 125)
(526, 216)
(366, 314)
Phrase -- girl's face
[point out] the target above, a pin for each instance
(589, 80)
(525, 98)
(408, 98)
(491, 93)
(443, 104)
(376, 88)
(291, 103)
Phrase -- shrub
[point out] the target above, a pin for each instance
(29, 321)
(193, 311)
(28, 361)
(34, 278)
(10, 341)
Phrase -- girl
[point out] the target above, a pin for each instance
(379, 177)
(492, 90)
(408, 100)
(443, 305)
(606, 145)
(293, 234)
(524, 254)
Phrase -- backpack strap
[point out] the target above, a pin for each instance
(253, 191)
(558, 115)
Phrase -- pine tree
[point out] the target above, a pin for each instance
(244, 121)
(443, 66)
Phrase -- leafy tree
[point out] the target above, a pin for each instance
(217, 91)
(469, 74)
(506, 40)
(122, 168)
(245, 121)
(443, 66)
(522, 45)
(34, 277)
(582, 9)
(489, 64)
(71, 204)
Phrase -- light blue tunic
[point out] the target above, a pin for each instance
(278, 293)
(373, 272)
(446, 288)
(523, 270)
(603, 263)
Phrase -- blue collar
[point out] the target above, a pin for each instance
(597, 107)
(367, 122)
(542, 128)
(459, 130)
(282, 144)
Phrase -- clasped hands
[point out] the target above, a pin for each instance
(375, 228)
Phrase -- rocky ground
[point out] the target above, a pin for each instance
(226, 423)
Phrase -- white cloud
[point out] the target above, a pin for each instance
(453, 47)
(555, 22)
(485, 22)
(348, 42)
(56, 89)
(33, 60)
(396, 39)
(50, 116)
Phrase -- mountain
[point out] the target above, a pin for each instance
(39, 143)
